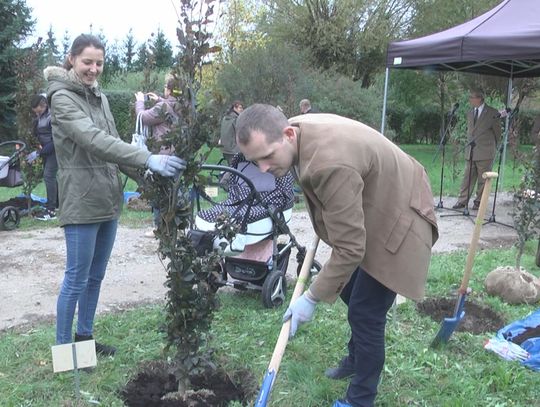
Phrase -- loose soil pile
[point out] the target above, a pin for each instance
(156, 386)
(478, 319)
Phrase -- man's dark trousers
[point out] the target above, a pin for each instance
(50, 168)
(368, 302)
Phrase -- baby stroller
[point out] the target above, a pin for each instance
(10, 177)
(262, 206)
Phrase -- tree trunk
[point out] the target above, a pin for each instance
(538, 254)
(520, 248)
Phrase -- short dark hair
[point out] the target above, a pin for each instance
(479, 93)
(260, 117)
(305, 103)
(174, 83)
(80, 43)
(37, 100)
(234, 105)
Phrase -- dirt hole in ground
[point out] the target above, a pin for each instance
(478, 318)
(156, 386)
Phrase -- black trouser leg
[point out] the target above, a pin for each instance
(368, 302)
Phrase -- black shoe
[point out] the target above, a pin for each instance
(101, 348)
(476, 206)
(459, 205)
(344, 370)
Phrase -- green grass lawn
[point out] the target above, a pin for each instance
(454, 163)
(244, 335)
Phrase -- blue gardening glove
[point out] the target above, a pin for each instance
(30, 158)
(299, 312)
(166, 165)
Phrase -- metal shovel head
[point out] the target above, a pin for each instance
(449, 325)
(266, 388)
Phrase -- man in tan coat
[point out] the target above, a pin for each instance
(483, 135)
(371, 203)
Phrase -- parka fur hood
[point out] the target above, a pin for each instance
(60, 78)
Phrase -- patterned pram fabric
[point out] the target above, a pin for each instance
(277, 192)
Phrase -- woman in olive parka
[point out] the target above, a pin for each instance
(89, 153)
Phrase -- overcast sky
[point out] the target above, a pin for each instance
(115, 17)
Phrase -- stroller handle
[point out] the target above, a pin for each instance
(253, 191)
(20, 146)
(16, 142)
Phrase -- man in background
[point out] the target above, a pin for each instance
(305, 107)
(227, 138)
(483, 135)
(42, 130)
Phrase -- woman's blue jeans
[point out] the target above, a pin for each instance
(88, 249)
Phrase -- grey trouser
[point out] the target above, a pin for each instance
(476, 169)
(50, 168)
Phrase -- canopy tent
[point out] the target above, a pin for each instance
(505, 41)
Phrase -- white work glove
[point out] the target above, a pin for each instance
(299, 312)
(30, 158)
(166, 165)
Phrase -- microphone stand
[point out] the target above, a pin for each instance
(500, 151)
(442, 149)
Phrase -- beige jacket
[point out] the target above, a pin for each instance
(486, 133)
(369, 201)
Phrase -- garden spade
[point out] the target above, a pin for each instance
(449, 325)
(279, 349)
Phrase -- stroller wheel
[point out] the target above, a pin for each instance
(315, 268)
(9, 218)
(274, 290)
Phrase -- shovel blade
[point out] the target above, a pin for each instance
(266, 388)
(449, 325)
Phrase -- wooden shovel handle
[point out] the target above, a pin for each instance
(303, 277)
(489, 177)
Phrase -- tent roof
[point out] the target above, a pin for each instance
(504, 41)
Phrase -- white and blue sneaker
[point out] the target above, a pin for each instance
(46, 215)
(341, 403)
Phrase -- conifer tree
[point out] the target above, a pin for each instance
(16, 24)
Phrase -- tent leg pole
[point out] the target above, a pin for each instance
(383, 120)
(506, 132)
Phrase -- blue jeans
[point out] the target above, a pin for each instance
(88, 249)
(368, 302)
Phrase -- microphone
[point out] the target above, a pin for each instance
(503, 113)
(454, 109)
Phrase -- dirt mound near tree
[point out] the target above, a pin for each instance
(156, 386)
(478, 318)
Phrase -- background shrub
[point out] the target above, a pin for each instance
(122, 104)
